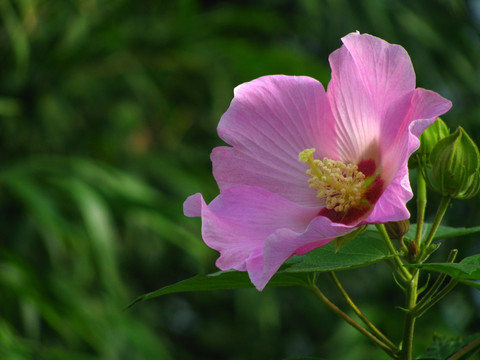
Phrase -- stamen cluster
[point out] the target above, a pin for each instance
(340, 185)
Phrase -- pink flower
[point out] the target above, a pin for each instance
(306, 166)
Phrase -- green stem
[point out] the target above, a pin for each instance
(316, 291)
(439, 296)
(421, 205)
(426, 298)
(442, 209)
(410, 318)
(401, 270)
(357, 311)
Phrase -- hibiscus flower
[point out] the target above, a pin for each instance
(305, 166)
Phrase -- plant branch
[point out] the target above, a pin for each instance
(316, 291)
(421, 205)
(442, 209)
(401, 270)
(357, 311)
(410, 318)
(436, 285)
(439, 296)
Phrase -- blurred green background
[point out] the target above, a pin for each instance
(108, 113)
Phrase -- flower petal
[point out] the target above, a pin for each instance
(425, 107)
(239, 220)
(269, 122)
(285, 242)
(256, 230)
(372, 83)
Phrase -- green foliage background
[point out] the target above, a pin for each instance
(108, 111)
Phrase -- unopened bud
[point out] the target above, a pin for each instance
(455, 166)
(397, 229)
(430, 137)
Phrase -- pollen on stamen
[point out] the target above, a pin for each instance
(340, 185)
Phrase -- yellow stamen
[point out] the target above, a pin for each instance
(340, 185)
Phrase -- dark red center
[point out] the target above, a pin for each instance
(372, 193)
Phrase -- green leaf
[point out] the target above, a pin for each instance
(341, 241)
(222, 280)
(444, 347)
(465, 270)
(443, 232)
(365, 249)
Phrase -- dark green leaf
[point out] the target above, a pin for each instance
(443, 232)
(466, 270)
(365, 249)
(222, 280)
(304, 358)
(443, 347)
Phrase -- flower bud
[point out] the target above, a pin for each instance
(455, 162)
(430, 137)
(435, 132)
(397, 229)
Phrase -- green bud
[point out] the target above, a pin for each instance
(434, 133)
(455, 162)
(431, 136)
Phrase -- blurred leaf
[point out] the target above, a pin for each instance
(443, 347)
(304, 358)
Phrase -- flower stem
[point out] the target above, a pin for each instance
(401, 270)
(316, 291)
(357, 311)
(439, 296)
(421, 205)
(442, 209)
(427, 297)
(410, 318)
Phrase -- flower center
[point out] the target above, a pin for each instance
(341, 185)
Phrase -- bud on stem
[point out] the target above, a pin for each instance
(455, 162)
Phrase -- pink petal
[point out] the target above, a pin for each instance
(285, 242)
(269, 122)
(256, 230)
(372, 83)
(425, 107)
(391, 206)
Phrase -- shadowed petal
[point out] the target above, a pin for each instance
(269, 122)
(425, 107)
